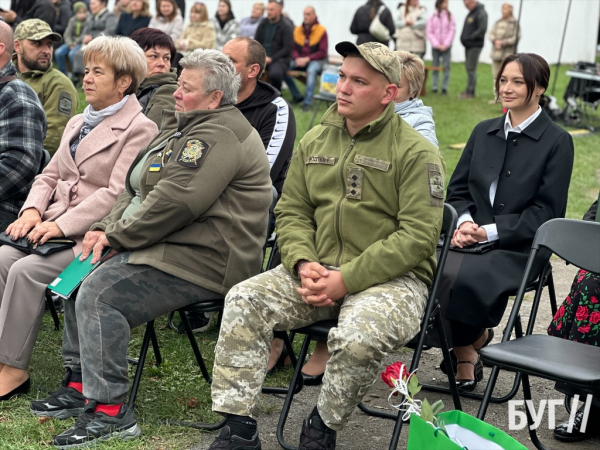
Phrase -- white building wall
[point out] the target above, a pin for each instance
(542, 23)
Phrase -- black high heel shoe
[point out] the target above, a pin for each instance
(469, 385)
(23, 388)
(453, 356)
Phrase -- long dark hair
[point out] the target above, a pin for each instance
(535, 70)
(230, 15)
(438, 6)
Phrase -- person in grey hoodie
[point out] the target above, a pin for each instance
(410, 108)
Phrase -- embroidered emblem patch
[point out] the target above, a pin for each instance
(65, 103)
(329, 160)
(192, 153)
(354, 182)
(436, 184)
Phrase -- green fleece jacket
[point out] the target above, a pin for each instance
(370, 204)
(205, 194)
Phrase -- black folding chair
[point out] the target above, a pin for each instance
(577, 242)
(537, 286)
(431, 322)
(214, 304)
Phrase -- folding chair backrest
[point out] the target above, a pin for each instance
(448, 226)
(575, 241)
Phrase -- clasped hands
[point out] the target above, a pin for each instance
(319, 286)
(468, 234)
(30, 224)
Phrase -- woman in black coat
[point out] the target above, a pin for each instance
(363, 18)
(512, 177)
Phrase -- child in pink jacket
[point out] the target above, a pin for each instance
(440, 33)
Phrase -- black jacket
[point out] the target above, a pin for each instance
(533, 169)
(473, 33)
(65, 12)
(274, 120)
(32, 9)
(283, 41)
(362, 21)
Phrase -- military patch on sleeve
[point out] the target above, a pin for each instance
(65, 103)
(436, 184)
(193, 153)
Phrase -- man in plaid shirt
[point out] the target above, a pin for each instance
(22, 131)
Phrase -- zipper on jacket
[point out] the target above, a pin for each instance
(339, 205)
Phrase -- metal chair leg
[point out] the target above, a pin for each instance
(275, 390)
(296, 381)
(532, 431)
(140, 366)
(53, 313)
(155, 346)
(194, 344)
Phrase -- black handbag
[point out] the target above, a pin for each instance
(52, 245)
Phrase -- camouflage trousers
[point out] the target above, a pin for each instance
(371, 324)
(115, 298)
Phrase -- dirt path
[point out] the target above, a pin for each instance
(369, 433)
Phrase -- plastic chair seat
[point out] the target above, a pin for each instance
(564, 360)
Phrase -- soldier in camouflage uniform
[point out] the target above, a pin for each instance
(358, 223)
(33, 59)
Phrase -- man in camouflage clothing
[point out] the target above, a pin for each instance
(33, 59)
(357, 224)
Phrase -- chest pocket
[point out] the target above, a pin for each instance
(355, 175)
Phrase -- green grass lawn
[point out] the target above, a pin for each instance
(176, 390)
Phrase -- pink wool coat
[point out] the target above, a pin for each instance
(78, 193)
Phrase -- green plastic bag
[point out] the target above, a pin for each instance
(469, 432)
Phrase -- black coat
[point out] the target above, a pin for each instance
(362, 21)
(283, 40)
(534, 171)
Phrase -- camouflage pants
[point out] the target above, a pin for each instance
(115, 298)
(371, 323)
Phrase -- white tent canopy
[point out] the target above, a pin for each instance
(542, 23)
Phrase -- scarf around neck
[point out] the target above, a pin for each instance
(93, 117)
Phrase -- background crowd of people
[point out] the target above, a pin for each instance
(101, 191)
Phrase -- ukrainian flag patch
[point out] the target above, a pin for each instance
(155, 167)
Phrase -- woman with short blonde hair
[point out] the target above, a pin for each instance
(410, 108)
(122, 55)
(78, 188)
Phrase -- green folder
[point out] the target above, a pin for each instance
(70, 278)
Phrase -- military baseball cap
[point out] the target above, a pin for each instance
(379, 56)
(35, 30)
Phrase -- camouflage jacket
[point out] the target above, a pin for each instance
(59, 99)
(370, 204)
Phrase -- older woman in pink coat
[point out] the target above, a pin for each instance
(78, 188)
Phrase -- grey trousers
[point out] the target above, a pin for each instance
(445, 57)
(371, 324)
(23, 280)
(115, 298)
(471, 60)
